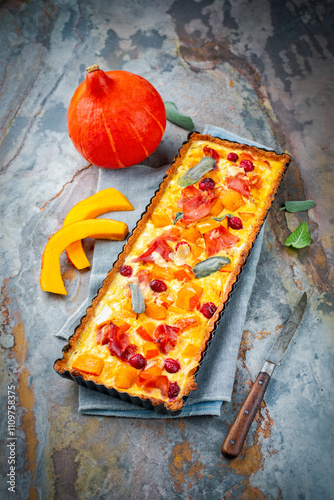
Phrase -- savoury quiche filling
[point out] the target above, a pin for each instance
(149, 325)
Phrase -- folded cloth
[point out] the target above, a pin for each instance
(216, 375)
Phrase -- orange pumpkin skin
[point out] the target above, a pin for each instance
(115, 119)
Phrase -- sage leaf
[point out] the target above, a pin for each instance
(210, 266)
(196, 173)
(298, 206)
(173, 115)
(137, 299)
(178, 216)
(219, 219)
(300, 238)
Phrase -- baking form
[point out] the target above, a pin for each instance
(150, 403)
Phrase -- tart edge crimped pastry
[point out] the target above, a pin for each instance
(61, 365)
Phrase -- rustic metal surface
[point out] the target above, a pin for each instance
(262, 69)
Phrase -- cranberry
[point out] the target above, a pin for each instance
(182, 243)
(126, 271)
(158, 286)
(232, 157)
(247, 165)
(172, 365)
(235, 223)
(206, 184)
(208, 309)
(173, 389)
(137, 361)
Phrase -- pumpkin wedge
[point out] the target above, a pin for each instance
(51, 280)
(106, 200)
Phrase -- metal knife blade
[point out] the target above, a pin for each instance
(278, 350)
(239, 429)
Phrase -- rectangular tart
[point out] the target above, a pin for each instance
(145, 333)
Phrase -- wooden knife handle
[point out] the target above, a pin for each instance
(238, 432)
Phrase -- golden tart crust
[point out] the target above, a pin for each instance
(243, 194)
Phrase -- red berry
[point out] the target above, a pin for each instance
(126, 271)
(173, 389)
(232, 157)
(158, 286)
(172, 365)
(235, 223)
(247, 165)
(206, 184)
(137, 361)
(208, 309)
(182, 243)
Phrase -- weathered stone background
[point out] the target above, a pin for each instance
(262, 69)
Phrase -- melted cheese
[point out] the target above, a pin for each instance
(115, 304)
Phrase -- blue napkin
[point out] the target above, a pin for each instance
(216, 375)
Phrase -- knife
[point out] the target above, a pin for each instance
(238, 432)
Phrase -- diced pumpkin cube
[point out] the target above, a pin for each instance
(160, 220)
(150, 350)
(217, 208)
(127, 311)
(143, 333)
(246, 215)
(150, 372)
(126, 377)
(207, 225)
(232, 200)
(155, 311)
(183, 275)
(191, 234)
(185, 323)
(122, 325)
(189, 351)
(152, 353)
(196, 251)
(166, 298)
(149, 327)
(176, 310)
(188, 296)
(160, 273)
(88, 363)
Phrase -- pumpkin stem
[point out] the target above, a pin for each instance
(92, 68)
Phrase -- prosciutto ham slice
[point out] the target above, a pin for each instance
(240, 184)
(160, 246)
(195, 204)
(152, 378)
(116, 339)
(166, 337)
(218, 239)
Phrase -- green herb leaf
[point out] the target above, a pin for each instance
(173, 115)
(298, 206)
(196, 173)
(178, 216)
(137, 299)
(219, 219)
(300, 238)
(209, 266)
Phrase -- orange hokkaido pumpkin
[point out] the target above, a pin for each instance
(115, 119)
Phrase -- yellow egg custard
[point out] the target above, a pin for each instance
(147, 329)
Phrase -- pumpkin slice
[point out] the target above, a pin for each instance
(106, 200)
(88, 363)
(126, 376)
(51, 280)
